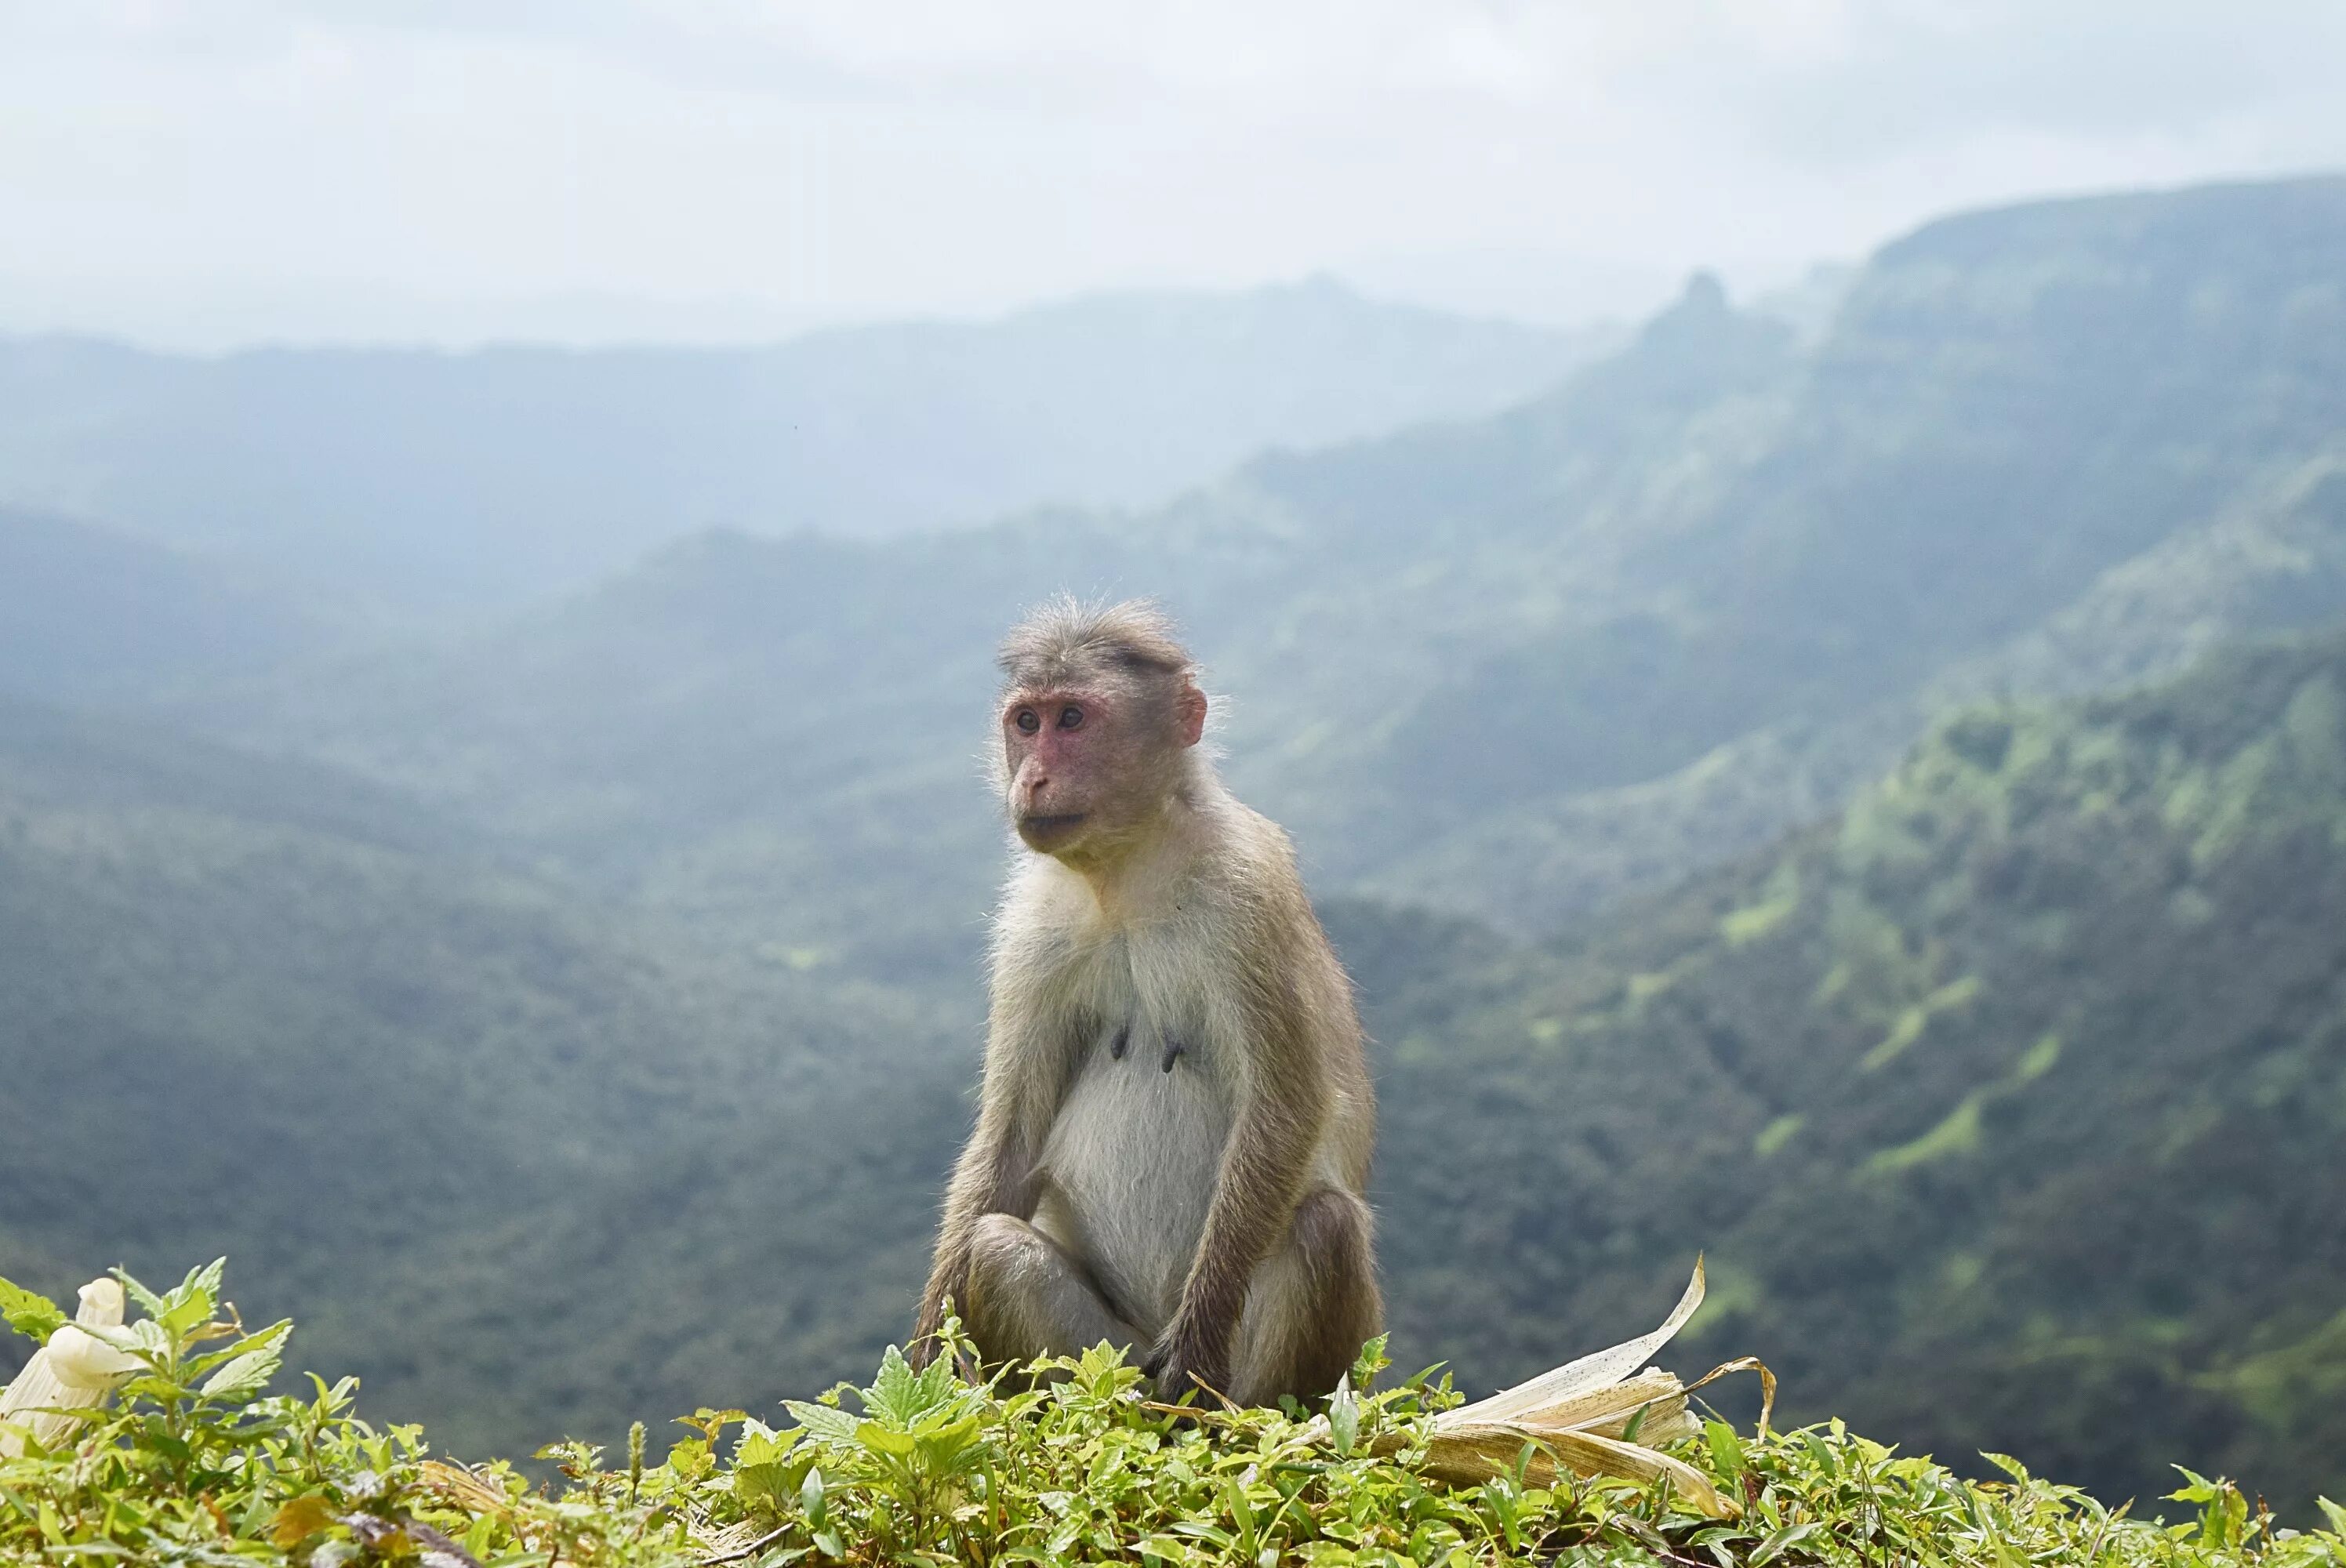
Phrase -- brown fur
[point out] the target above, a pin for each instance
(1215, 1217)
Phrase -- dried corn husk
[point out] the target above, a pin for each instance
(75, 1371)
(1577, 1419)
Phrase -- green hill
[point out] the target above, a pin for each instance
(2008, 1105)
(1517, 667)
(484, 1133)
(2011, 1104)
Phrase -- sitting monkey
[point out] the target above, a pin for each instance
(1174, 1132)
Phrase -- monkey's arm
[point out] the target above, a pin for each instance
(994, 1176)
(1282, 1105)
(995, 1172)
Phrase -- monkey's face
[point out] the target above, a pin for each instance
(1087, 764)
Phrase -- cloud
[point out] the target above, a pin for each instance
(822, 160)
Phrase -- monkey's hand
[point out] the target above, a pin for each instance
(1181, 1361)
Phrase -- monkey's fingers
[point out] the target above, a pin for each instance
(1115, 1047)
(1173, 1049)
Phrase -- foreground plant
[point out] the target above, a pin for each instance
(197, 1464)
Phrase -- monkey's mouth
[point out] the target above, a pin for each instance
(1052, 826)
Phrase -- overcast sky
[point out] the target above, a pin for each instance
(205, 173)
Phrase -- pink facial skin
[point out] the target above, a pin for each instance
(1086, 763)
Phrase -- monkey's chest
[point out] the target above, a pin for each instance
(1129, 1169)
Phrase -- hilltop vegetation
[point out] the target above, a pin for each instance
(570, 1019)
(922, 1469)
(2011, 1100)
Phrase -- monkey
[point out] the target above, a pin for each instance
(1175, 1116)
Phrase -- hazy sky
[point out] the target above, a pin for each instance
(213, 172)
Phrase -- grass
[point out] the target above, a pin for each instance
(193, 1466)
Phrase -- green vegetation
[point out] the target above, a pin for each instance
(479, 1130)
(570, 1019)
(1520, 667)
(198, 1465)
(2025, 1117)
(2085, 1215)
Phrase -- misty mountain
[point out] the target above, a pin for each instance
(89, 613)
(420, 482)
(568, 1019)
(1516, 666)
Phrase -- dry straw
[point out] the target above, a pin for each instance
(1597, 1416)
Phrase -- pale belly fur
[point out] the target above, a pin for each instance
(1129, 1170)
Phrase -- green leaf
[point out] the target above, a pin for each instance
(153, 1304)
(901, 1397)
(766, 1474)
(887, 1441)
(689, 1459)
(2333, 1513)
(1344, 1417)
(246, 1372)
(189, 1304)
(761, 1445)
(272, 1337)
(823, 1423)
(1726, 1449)
(1782, 1541)
(36, 1316)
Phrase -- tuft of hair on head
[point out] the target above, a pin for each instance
(1066, 639)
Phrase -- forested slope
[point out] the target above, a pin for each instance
(2011, 1106)
(528, 1165)
(89, 613)
(574, 1017)
(2008, 1105)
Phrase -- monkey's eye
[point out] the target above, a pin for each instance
(1028, 722)
(1071, 717)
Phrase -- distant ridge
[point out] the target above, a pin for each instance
(88, 613)
(445, 482)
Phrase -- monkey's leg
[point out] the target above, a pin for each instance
(1029, 1298)
(1310, 1305)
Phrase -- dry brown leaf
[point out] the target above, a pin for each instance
(1576, 1419)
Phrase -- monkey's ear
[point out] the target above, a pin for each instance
(1189, 710)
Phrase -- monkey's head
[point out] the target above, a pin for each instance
(1100, 708)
